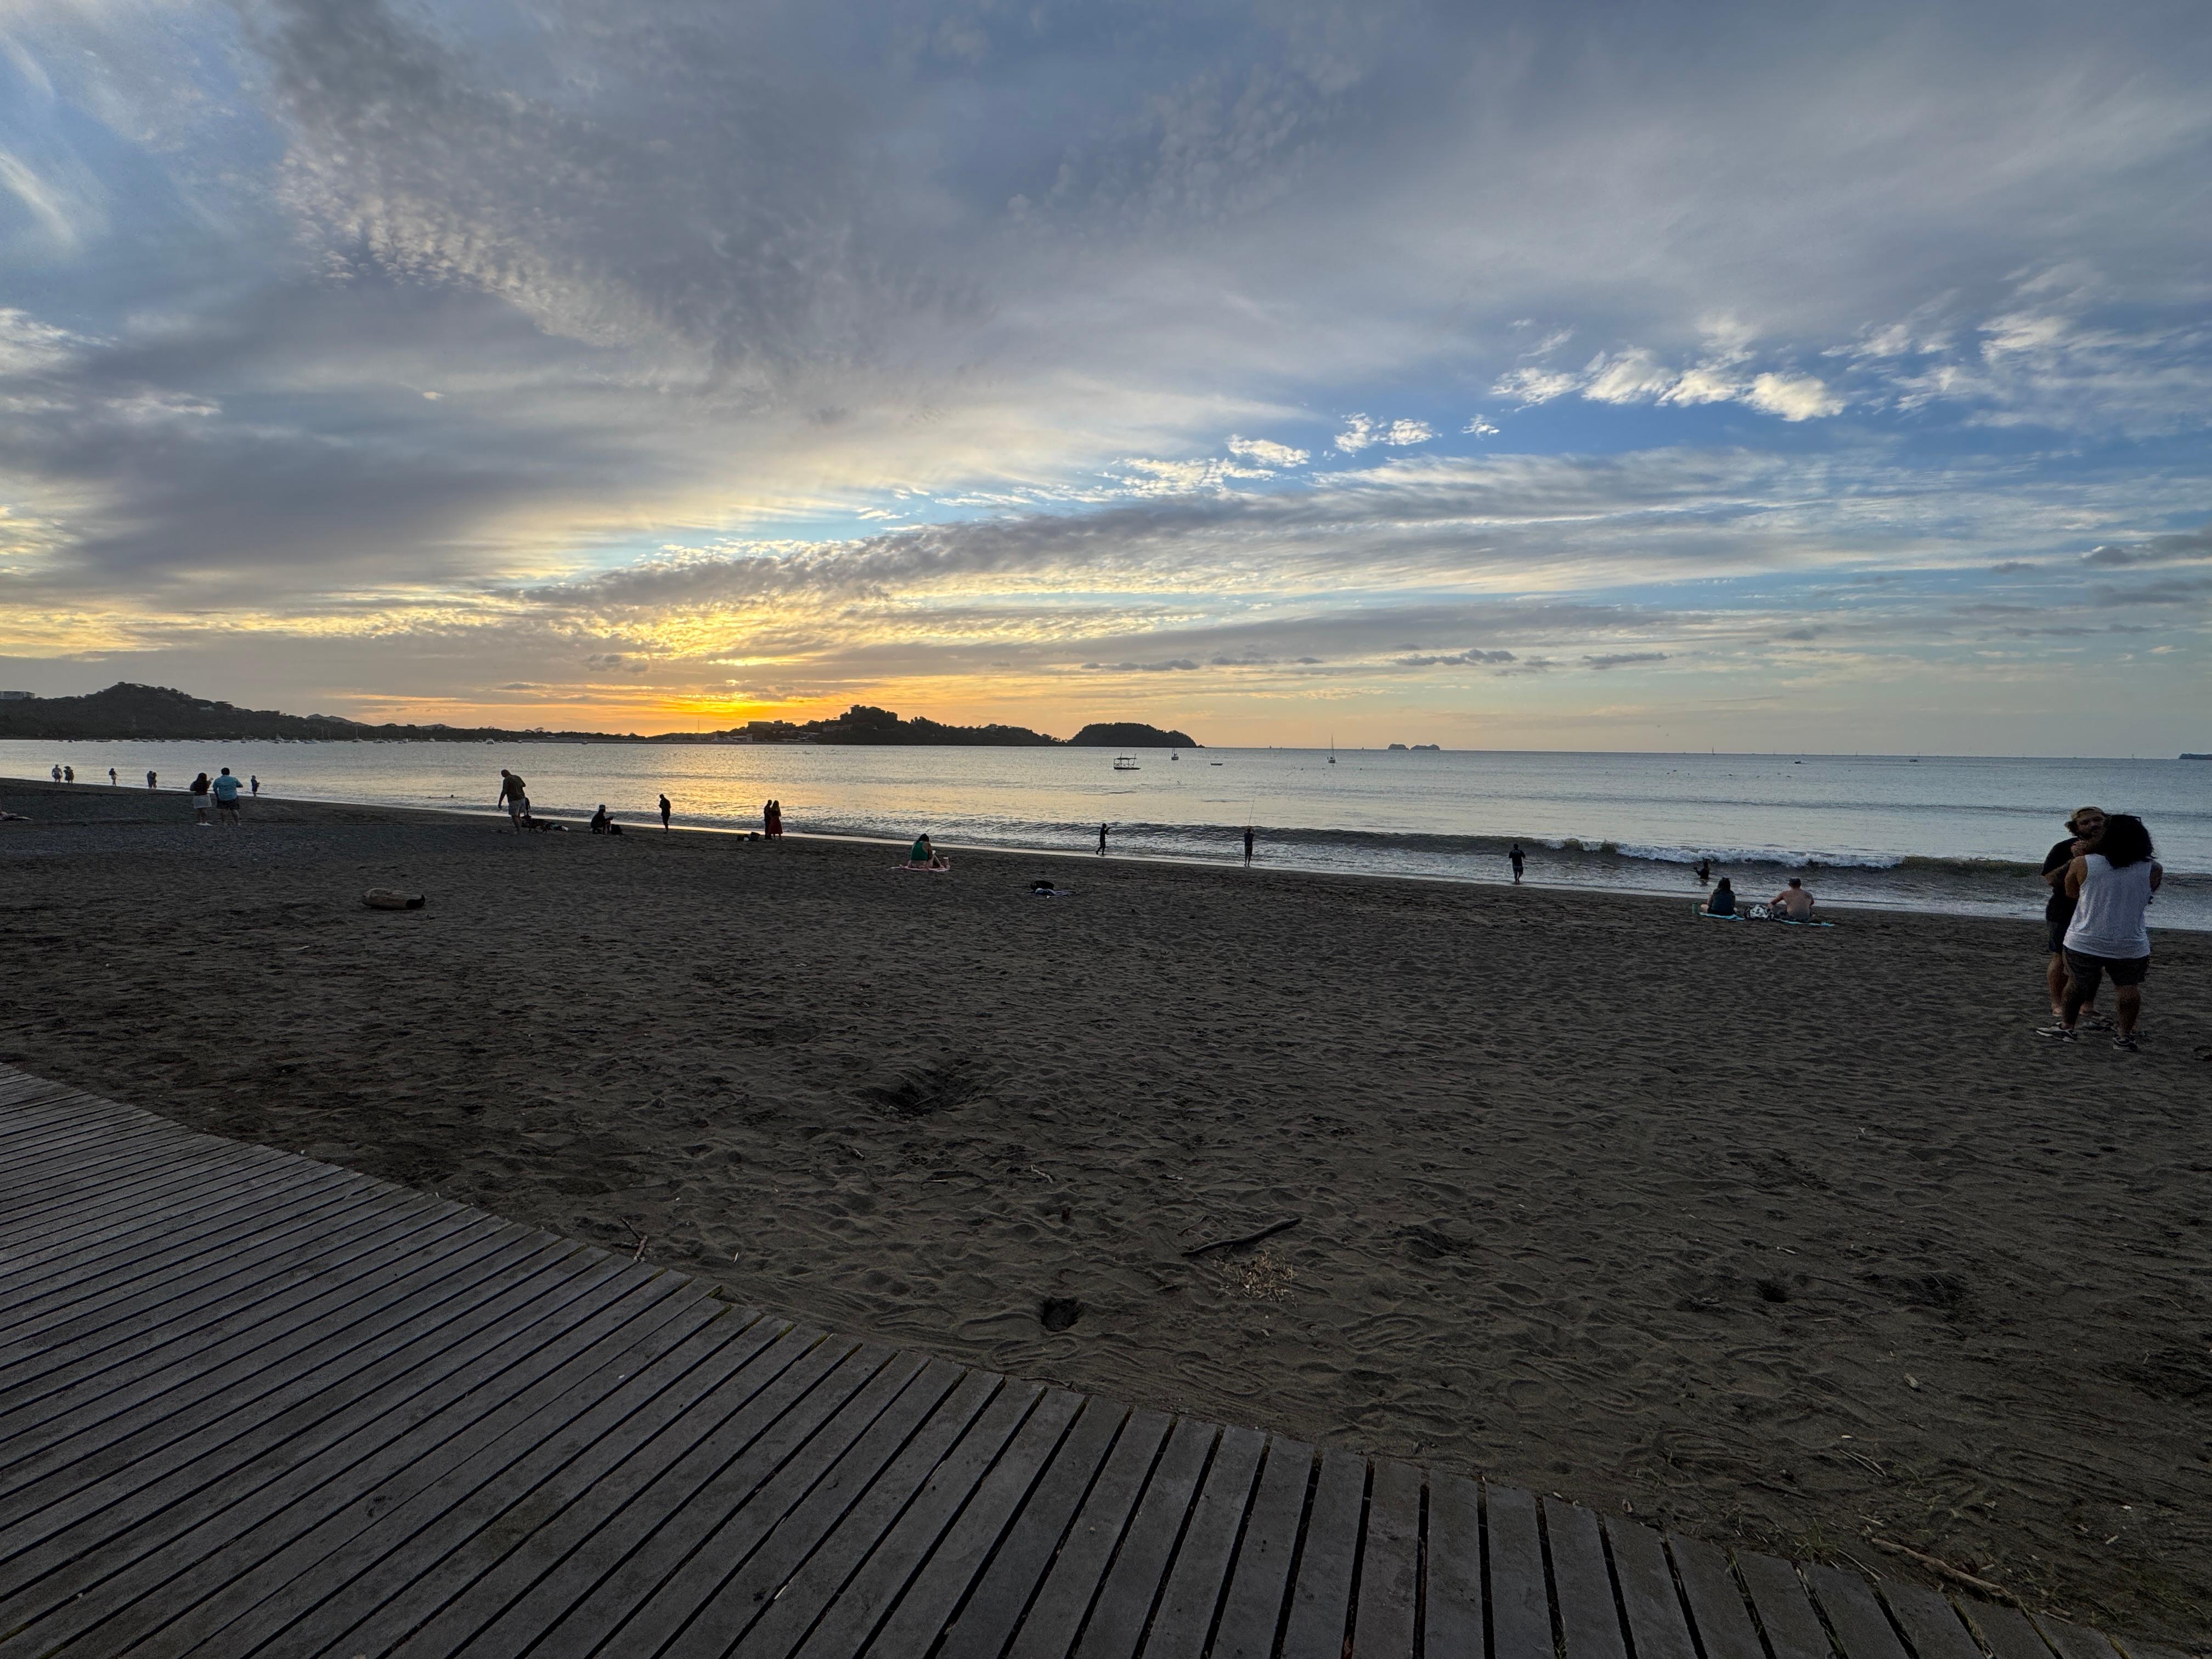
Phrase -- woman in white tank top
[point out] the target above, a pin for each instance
(2111, 886)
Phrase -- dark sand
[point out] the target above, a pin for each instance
(1795, 1236)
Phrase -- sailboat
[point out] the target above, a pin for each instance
(1332, 749)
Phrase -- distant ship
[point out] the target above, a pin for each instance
(1127, 764)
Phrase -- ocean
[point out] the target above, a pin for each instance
(1964, 835)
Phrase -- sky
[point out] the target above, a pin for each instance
(1607, 376)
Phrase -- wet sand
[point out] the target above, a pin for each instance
(1794, 1237)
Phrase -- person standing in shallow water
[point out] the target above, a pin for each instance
(1519, 859)
(1247, 843)
(663, 814)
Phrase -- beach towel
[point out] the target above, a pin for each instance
(925, 869)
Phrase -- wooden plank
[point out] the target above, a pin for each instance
(1321, 1584)
(1134, 1582)
(240, 1597)
(28, 1137)
(1452, 1607)
(1582, 1586)
(388, 1280)
(1785, 1612)
(1391, 1566)
(390, 1574)
(1932, 1625)
(866, 1487)
(1520, 1605)
(1259, 1585)
(732, 1515)
(1001, 1541)
(130, 1326)
(981, 1402)
(2006, 1632)
(1657, 1628)
(533, 1544)
(293, 1478)
(47, 1191)
(1193, 1589)
(573, 1563)
(1717, 1608)
(1049, 1628)
(980, 1480)
(1862, 1627)
(2070, 1641)
(286, 1419)
(108, 1245)
(162, 1245)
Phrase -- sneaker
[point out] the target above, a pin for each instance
(2125, 1041)
(2056, 1033)
(2096, 1022)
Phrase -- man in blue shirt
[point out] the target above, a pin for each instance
(226, 797)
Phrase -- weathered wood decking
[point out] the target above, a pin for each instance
(251, 1404)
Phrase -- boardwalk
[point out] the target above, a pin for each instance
(251, 1404)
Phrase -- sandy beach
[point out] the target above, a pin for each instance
(1798, 1236)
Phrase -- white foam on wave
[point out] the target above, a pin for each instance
(1783, 858)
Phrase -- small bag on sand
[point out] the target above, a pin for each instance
(390, 899)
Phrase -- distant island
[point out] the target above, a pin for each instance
(164, 714)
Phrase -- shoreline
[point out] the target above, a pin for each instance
(1766, 1233)
(642, 824)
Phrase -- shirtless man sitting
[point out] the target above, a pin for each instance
(1792, 903)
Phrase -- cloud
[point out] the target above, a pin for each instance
(1624, 658)
(1793, 396)
(1456, 658)
(2181, 548)
(1480, 427)
(1628, 377)
(1531, 387)
(1179, 665)
(1263, 452)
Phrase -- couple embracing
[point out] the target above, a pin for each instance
(2102, 882)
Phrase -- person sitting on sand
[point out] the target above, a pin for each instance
(512, 797)
(226, 798)
(199, 794)
(923, 856)
(600, 820)
(1792, 903)
(1722, 903)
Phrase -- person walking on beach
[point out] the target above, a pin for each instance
(1248, 844)
(149, 780)
(110, 777)
(256, 781)
(2082, 832)
(1519, 859)
(69, 774)
(199, 794)
(2111, 886)
(1102, 841)
(226, 798)
(664, 815)
(512, 797)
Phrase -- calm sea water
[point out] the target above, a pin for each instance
(1938, 834)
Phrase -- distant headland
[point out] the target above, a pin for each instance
(162, 714)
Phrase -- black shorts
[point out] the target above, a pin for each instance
(230, 805)
(2087, 970)
(2054, 933)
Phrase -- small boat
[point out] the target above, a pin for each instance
(1127, 764)
(1173, 756)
